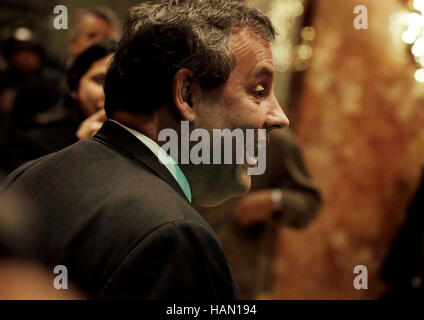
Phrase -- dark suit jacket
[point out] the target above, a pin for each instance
(120, 223)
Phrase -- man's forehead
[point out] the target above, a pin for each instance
(251, 50)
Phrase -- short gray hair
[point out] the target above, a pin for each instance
(160, 39)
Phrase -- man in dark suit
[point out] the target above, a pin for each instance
(115, 215)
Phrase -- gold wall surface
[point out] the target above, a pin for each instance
(361, 128)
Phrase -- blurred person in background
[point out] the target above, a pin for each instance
(28, 86)
(285, 195)
(32, 95)
(93, 25)
(86, 78)
(29, 90)
(84, 110)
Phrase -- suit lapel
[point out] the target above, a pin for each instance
(128, 145)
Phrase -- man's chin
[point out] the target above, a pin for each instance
(239, 187)
(241, 184)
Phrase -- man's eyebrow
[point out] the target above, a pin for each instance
(264, 71)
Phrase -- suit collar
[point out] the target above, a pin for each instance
(128, 145)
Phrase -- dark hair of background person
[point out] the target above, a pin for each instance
(160, 39)
(83, 62)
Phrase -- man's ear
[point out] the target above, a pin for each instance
(182, 93)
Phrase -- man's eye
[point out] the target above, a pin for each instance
(260, 93)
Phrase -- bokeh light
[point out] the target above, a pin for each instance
(419, 75)
(22, 34)
(414, 34)
(288, 56)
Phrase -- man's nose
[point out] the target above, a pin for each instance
(276, 119)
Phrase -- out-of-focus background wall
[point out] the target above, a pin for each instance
(360, 122)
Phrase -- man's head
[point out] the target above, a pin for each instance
(91, 26)
(205, 61)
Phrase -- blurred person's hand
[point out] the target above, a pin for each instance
(91, 125)
(257, 207)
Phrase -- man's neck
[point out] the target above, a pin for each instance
(200, 177)
(149, 125)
